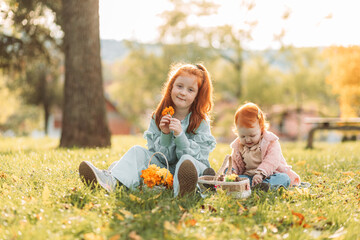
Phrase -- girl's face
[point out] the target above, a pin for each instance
(184, 91)
(250, 136)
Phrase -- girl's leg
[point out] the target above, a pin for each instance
(277, 180)
(128, 169)
(190, 169)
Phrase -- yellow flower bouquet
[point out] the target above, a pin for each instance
(156, 176)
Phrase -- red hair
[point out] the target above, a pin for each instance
(247, 114)
(203, 101)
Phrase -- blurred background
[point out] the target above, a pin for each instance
(295, 59)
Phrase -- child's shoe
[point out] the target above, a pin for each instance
(188, 178)
(209, 172)
(92, 176)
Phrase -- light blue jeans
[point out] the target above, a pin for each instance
(276, 180)
(128, 169)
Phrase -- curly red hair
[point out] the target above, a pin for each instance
(247, 114)
(203, 102)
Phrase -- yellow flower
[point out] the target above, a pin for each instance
(168, 110)
(230, 178)
(155, 175)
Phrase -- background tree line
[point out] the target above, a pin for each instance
(32, 63)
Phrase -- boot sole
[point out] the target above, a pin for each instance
(87, 175)
(188, 178)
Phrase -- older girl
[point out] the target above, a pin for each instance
(184, 138)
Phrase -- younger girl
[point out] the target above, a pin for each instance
(256, 152)
(184, 138)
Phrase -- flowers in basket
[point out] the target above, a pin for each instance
(168, 110)
(156, 176)
(232, 178)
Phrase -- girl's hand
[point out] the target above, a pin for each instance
(258, 178)
(164, 124)
(175, 125)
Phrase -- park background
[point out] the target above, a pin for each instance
(89, 73)
(296, 61)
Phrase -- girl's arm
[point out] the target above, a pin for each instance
(238, 163)
(272, 159)
(158, 141)
(199, 146)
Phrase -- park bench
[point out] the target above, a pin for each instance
(341, 124)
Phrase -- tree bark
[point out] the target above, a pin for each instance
(84, 121)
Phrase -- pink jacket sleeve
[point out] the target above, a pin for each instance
(238, 163)
(272, 159)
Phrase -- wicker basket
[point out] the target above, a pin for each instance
(157, 187)
(239, 189)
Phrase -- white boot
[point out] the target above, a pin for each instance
(92, 176)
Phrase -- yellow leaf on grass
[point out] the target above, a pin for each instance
(119, 217)
(134, 236)
(115, 237)
(241, 206)
(127, 214)
(316, 173)
(135, 198)
(351, 174)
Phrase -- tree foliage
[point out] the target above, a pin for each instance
(345, 78)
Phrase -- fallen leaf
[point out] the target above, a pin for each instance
(135, 198)
(351, 174)
(134, 236)
(254, 236)
(316, 173)
(127, 214)
(190, 222)
(115, 237)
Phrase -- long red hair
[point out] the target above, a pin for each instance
(247, 114)
(203, 102)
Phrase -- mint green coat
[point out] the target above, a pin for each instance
(194, 147)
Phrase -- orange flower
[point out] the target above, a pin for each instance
(155, 176)
(168, 110)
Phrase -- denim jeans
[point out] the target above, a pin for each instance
(276, 180)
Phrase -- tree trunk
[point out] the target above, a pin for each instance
(84, 121)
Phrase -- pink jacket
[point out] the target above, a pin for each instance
(272, 159)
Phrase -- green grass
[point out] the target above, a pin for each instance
(42, 197)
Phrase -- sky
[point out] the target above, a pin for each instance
(312, 23)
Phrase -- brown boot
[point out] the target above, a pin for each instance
(188, 178)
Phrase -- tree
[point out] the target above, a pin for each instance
(225, 41)
(345, 78)
(30, 54)
(84, 116)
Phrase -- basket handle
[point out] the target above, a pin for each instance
(223, 166)
(167, 163)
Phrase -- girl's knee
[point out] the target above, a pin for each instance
(185, 157)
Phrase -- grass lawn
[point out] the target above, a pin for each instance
(42, 197)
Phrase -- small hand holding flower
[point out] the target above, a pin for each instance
(166, 119)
